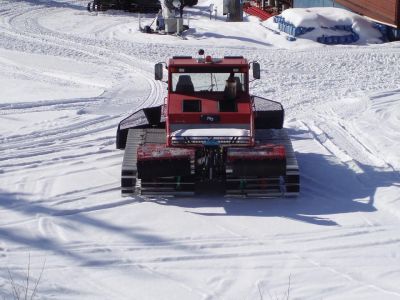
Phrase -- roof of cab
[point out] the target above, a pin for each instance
(227, 61)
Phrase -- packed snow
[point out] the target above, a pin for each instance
(68, 77)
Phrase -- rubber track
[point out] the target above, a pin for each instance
(291, 182)
(129, 168)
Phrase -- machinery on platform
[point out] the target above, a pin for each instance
(169, 19)
(233, 9)
(142, 6)
(210, 136)
(167, 7)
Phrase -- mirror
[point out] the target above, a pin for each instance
(256, 70)
(158, 71)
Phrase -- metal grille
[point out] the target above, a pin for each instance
(201, 140)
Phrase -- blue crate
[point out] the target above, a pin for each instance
(344, 39)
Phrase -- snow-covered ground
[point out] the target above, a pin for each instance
(67, 77)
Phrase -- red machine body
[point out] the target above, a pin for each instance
(214, 138)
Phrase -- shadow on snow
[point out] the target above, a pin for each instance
(206, 35)
(76, 217)
(328, 187)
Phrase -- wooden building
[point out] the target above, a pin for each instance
(383, 11)
(315, 3)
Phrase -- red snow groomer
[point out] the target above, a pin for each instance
(210, 137)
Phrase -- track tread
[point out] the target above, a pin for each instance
(291, 182)
(129, 169)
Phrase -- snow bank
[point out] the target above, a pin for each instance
(319, 16)
(325, 20)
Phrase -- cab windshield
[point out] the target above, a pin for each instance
(205, 82)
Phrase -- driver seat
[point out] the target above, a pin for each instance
(185, 84)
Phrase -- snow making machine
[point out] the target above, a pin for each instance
(211, 136)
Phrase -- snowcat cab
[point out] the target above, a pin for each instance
(208, 136)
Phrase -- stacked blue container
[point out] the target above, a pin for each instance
(294, 31)
(289, 28)
(384, 30)
(340, 39)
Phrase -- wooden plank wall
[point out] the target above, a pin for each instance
(386, 11)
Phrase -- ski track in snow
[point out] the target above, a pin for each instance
(59, 173)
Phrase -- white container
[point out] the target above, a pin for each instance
(173, 25)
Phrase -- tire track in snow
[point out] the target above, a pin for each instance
(304, 74)
(346, 275)
(21, 27)
(90, 47)
(27, 31)
(228, 244)
(356, 156)
(353, 144)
